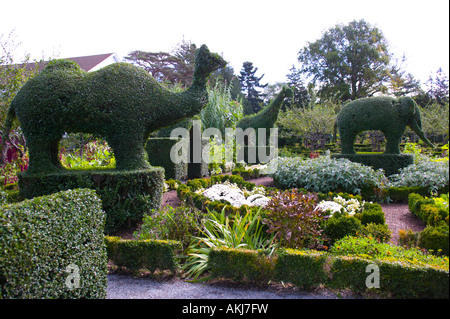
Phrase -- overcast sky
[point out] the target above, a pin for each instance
(267, 33)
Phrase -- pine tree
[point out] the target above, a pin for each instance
(249, 84)
(301, 97)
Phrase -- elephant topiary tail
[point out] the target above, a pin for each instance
(7, 128)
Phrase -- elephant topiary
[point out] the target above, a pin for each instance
(121, 103)
(386, 114)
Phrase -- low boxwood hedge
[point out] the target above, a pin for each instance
(309, 269)
(136, 254)
(126, 195)
(53, 247)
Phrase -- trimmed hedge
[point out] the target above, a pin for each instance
(136, 254)
(126, 195)
(301, 267)
(390, 163)
(426, 209)
(47, 241)
(309, 269)
(240, 264)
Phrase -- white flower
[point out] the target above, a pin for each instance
(329, 206)
(234, 195)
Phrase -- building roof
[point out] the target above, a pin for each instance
(87, 63)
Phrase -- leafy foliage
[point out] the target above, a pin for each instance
(350, 60)
(219, 230)
(120, 103)
(293, 218)
(325, 174)
(179, 223)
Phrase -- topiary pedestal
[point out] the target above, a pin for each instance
(391, 163)
(158, 150)
(126, 195)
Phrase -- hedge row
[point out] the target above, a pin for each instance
(426, 209)
(309, 269)
(53, 247)
(138, 254)
(126, 195)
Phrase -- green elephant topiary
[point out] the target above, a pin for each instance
(386, 114)
(121, 103)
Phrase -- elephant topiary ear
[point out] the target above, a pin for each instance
(407, 106)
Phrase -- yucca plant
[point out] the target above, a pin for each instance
(219, 230)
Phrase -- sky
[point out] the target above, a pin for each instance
(267, 33)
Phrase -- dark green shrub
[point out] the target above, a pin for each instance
(372, 213)
(126, 195)
(240, 264)
(137, 254)
(400, 194)
(338, 227)
(303, 268)
(435, 239)
(46, 241)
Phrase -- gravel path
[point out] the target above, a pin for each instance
(129, 287)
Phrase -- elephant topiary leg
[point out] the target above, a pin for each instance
(43, 156)
(347, 140)
(392, 143)
(129, 155)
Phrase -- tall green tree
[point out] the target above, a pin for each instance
(351, 61)
(174, 67)
(250, 84)
(301, 97)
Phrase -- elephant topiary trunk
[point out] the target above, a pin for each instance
(121, 103)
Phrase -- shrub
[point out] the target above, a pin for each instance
(218, 231)
(430, 210)
(159, 150)
(44, 239)
(126, 195)
(338, 227)
(303, 268)
(137, 254)
(431, 175)
(435, 239)
(408, 238)
(170, 223)
(240, 264)
(372, 213)
(381, 233)
(389, 163)
(294, 219)
(324, 174)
